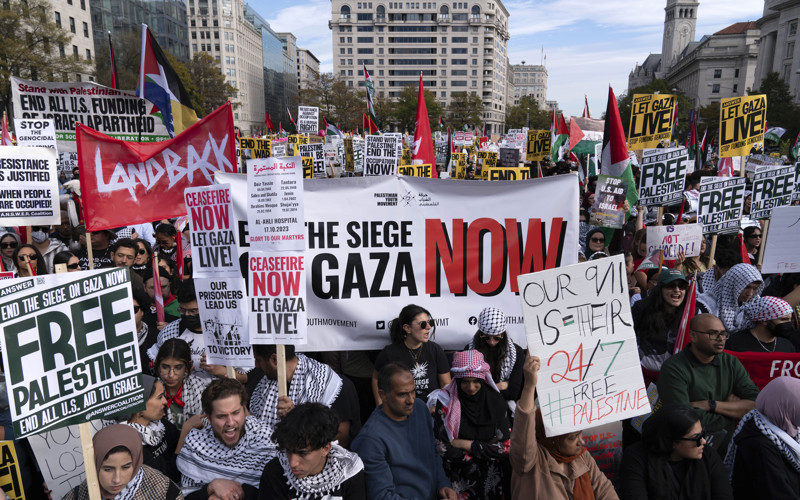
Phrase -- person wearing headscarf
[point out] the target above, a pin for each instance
(595, 242)
(770, 321)
(121, 474)
(472, 429)
(672, 462)
(550, 468)
(725, 299)
(8, 245)
(764, 458)
(503, 355)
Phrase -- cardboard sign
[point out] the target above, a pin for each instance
(91, 370)
(609, 200)
(663, 176)
(772, 187)
(741, 125)
(783, 240)
(380, 156)
(509, 174)
(277, 298)
(223, 311)
(674, 240)
(720, 204)
(28, 186)
(10, 477)
(578, 322)
(651, 121)
(213, 231)
(317, 154)
(538, 145)
(275, 203)
(423, 170)
(307, 119)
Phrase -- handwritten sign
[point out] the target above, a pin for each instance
(578, 321)
(674, 240)
(783, 240)
(720, 204)
(275, 212)
(277, 298)
(772, 187)
(663, 175)
(10, 477)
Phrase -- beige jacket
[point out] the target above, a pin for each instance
(537, 475)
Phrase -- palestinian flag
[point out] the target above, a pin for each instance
(615, 160)
(114, 78)
(332, 129)
(560, 138)
(774, 134)
(423, 142)
(796, 146)
(687, 316)
(292, 124)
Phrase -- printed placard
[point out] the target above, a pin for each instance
(772, 187)
(508, 158)
(509, 174)
(258, 148)
(607, 209)
(741, 125)
(307, 119)
(720, 204)
(458, 163)
(578, 322)
(663, 176)
(316, 152)
(213, 231)
(36, 133)
(485, 161)
(380, 156)
(783, 240)
(423, 170)
(28, 186)
(223, 312)
(651, 121)
(275, 203)
(91, 370)
(277, 298)
(796, 192)
(538, 145)
(683, 239)
(10, 477)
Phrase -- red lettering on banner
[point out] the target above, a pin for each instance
(274, 284)
(206, 218)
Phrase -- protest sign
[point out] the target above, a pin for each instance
(753, 161)
(317, 153)
(35, 133)
(213, 231)
(307, 119)
(308, 167)
(358, 154)
(683, 239)
(460, 139)
(651, 121)
(720, 204)
(485, 161)
(5, 275)
(279, 150)
(741, 125)
(223, 312)
(380, 156)
(401, 240)
(762, 367)
(508, 158)
(349, 155)
(607, 209)
(399, 138)
(277, 298)
(604, 443)
(28, 186)
(423, 170)
(259, 148)
(10, 476)
(275, 203)
(772, 187)
(578, 322)
(538, 145)
(458, 162)
(441, 148)
(509, 174)
(783, 240)
(92, 370)
(663, 176)
(127, 183)
(796, 192)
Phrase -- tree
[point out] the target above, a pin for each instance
(662, 87)
(708, 119)
(127, 51)
(336, 100)
(384, 108)
(781, 108)
(32, 46)
(406, 108)
(212, 89)
(464, 109)
(527, 114)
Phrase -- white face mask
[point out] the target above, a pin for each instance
(38, 236)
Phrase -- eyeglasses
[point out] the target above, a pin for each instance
(21, 257)
(698, 438)
(12, 244)
(173, 369)
(755, 236)
(136, 309)
(190, 312)
(715, 334)
(676, 284)
(425, 324)
(597, 240)
(76, 265)
(141, 251)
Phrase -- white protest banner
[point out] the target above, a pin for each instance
(317, 152)
(28, 186)
(663, 176)
(307, 120)
(223, 312)
(118, 113)
(277, 298)
(607, 209)
(380, 156)
(401, 240)
(578, 322)
(275, 203)
(35, 133)
(720, 204)
(674, 240)
(91, 370)
(60, 458)
(213, 231)
(783, 240)
(772, 187)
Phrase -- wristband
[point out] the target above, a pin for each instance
(712, 406)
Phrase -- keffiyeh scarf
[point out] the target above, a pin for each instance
(340, 466)
(130, 489)
(788, 446)
(312, 382)
(152, 434)
(193, 388)
(508, 362)
(722, 300)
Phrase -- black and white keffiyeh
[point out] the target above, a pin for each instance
(722, 300)
(193, 387)
(152, 434)
(130, 489)
(508, 362)
(142, 334)
(312, 382)
(340, 466)
(204, 458)
(787, 445)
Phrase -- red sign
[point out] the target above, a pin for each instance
(125, 183)
(765, 366)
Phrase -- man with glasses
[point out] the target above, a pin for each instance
(709, 380)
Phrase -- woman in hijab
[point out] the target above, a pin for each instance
(595, 242)
(472, 430)
(503, 356)
(672, 461)
(120, 472)
(764, 457)
(726, 298)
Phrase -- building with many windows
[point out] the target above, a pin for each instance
(457, 47)
(529, 79)
(776, 44)
(307, 68)
(75, 17)
(289, 45)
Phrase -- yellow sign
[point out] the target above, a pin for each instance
(308, 167)
(486, 161)
(349, 155)
(416, 170)
(538, 145)
(460, 161)
(406, 159)
(509, 173)
(10, 478)
(651, 121)
(741, 125)
(259, 148)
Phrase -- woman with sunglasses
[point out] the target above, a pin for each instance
(8, 244)
(502, 354)
(67, 258)
(143, 260)
(753, 237)
(411, 346)
(595, 242)
(672, 461)
(27, 258)
(763, 457)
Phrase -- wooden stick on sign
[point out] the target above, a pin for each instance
(761, 249)
(712, 252)
(89, 252)
(281, 352)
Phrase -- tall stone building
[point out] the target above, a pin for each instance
(307, 68)
(456, 46)
(75, 17)
(776, 47)
(530, 79)
(680, 21)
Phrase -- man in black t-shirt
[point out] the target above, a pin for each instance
(101, 250)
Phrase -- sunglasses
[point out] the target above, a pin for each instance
(40, 228)
(12, 244)
(76, 265)
(141, 251)
(32, 256)
(136, 309)
(425, 324)
(676, 284)
(486, 338)
(597, 240)
(697, 438)
(754, 236)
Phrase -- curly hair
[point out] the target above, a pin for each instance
(221, 389)
(307, 426)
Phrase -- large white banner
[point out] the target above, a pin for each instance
(28, 186)
(275, 195)
(377, 244)
(578, 321)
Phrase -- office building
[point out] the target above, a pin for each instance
(530, 79)
(75, 17)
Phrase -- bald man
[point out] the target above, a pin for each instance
(711, 381)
